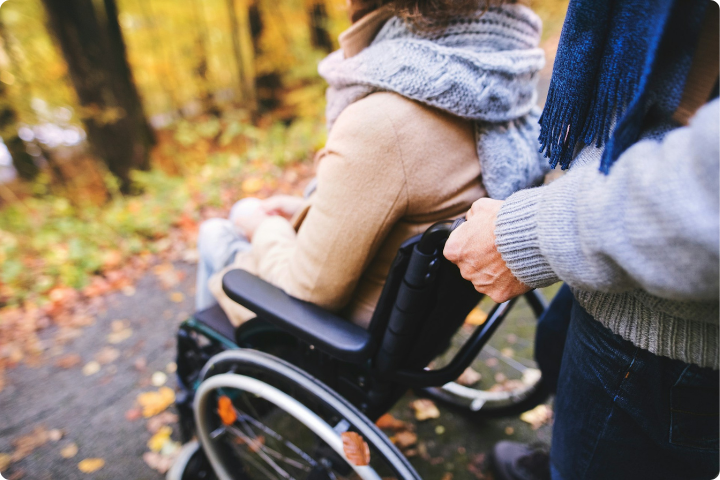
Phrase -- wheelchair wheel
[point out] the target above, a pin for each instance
(510, 382)
(260, 417)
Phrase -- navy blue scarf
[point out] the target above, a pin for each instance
(617, 60)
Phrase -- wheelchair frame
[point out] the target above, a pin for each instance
(370, 368)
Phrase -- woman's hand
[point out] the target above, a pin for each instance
(283, 205)
(248, 223)
(472, 248)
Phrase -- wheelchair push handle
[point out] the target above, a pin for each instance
(435, 236)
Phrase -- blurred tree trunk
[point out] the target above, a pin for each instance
(91, 42)
(243, 51)
(201, 69)
(319, 35)
(21, 159)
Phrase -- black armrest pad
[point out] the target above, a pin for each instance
(327, 332)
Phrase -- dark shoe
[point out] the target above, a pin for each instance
(517, 461)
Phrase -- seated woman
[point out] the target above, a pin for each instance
(431, 106)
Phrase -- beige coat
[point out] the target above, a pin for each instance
(391, 168)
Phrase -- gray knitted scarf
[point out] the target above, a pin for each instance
(483, 69)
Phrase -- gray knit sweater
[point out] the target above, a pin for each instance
(640, 246)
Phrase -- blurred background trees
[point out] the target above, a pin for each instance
(124, 123)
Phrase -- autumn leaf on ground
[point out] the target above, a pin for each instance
(90, 465)
(27, 443)
(387, 421)
(133, 414)
(507, 352)
(68, 361)
(91, 368)
(69, 450)
(177, 297)
(476, 317)
(226, 411)
(538, 416)
(107, 355)
(155, 423)
(404, 439)
(158, 462)
(119, 336)
(507, 386)
(356, 449)
(157, 441)
(447, 476)
(468, 377)
(425, 409)
(156, 402)
(5, 461)
(158, 379)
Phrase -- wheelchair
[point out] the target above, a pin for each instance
(278, 396)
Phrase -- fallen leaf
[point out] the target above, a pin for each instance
(119, 336)
(158, 379)
(226, 411)
(509, 430)
(107, 355)
(439, 430)
(436, 460)
(512, 338)
(507, 352)
(171, 367)
(257, 443)
(157, 441)
(128, 290)
(133, 414)
(140, 364)
(447, 476)
(404, 439)
(90, 465)
(158, 462)
(177, 297)
(538, 416)
(476, 317)
(356, 449)
(27, 443)
(91, 368)
(507, 386)
(68, 361)
(425, 409)
(410, 452)
(500, 377)
(491, 362)
(155, 423)
(387, 421)
(469, 377)
(156, 402)
(117, 325)
(5, 460)
(69, 450)
(55, 435)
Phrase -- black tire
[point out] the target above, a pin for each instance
(233, 374)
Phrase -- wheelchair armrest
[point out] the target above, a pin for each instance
(329, 333)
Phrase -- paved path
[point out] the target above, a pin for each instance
(90, 410)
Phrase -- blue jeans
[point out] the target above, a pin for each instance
(622, 412)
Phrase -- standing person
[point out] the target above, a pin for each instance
(632, 228)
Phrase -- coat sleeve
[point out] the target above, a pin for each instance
(651, 223)
(361, 194)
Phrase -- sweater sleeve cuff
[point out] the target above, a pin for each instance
(516, 238)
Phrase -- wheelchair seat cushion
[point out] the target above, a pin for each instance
(215, 318)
